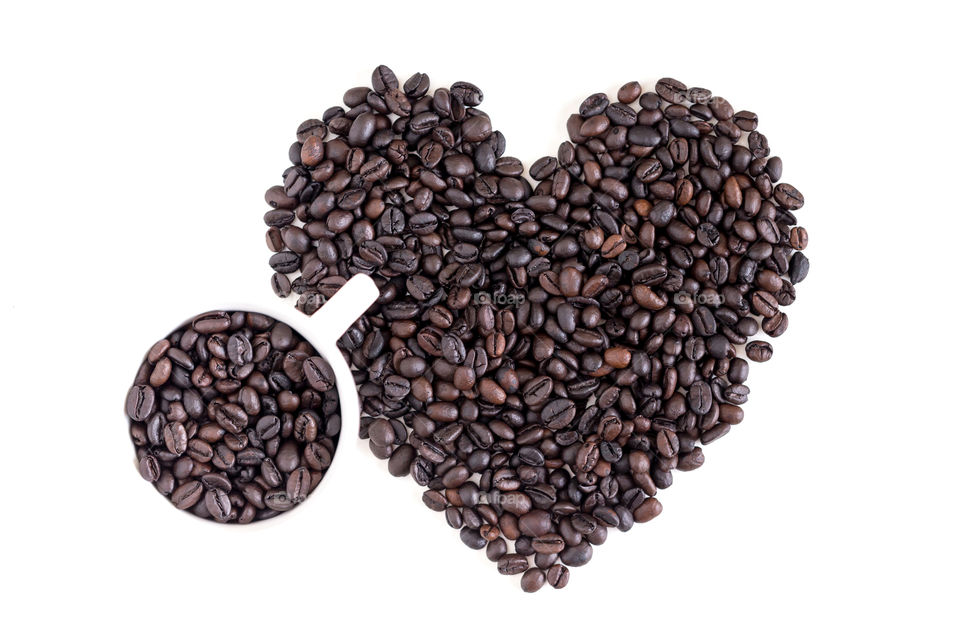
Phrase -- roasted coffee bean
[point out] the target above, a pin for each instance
(285, 262)
(671, 90)
(577, 555)
(512, 564)
(558, 576)
(798, 238)
(799, 266)
(558, 414)
(140, 402)
(175, 438)
(218, 504)
(649, 509)
(187, 494)
(298, 485)
(788, 197)
(212, 322)
(383, 78)
(239, 349)
(318, 373)
(238, 421)
(662, 213)
(472, 538)
(150, 468)
(700, 397)
(278, 500)
(759, 351)
(533, 580)
(549, 543)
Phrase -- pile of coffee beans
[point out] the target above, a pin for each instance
(234, 417)
(545, 352)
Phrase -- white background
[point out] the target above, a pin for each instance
(137, 141)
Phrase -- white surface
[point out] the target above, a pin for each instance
(134, 137)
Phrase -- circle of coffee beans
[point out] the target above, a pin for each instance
(234, 417)
(543, 355)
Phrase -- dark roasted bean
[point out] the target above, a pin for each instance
(759, 351)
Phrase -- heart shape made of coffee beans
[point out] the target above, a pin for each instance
(545, 352)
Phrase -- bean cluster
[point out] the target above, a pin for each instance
(234, 417)
(545, 351)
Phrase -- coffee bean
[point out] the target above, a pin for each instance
(401, 459)
(558, 413)
(140, 402)
(318, 373)
(644, 136)
(788, 197)
(311, 127)
(472, 538)
(150, 468)
(668, 444)
(468, 93)
(383, 78)
(577, 555)
(175, 438)
(533, 580)
(298, 485)
(799, 267)
(764, 303)
(187, 494)
(746, 120)
(317, 456)
(775, 325)
(662, 213)
(239, 349)
(212, 322)
(512, 564)
(285, 262)
(216, 481)
(218, 504)
(278, 500)
(629, 92)
(649, 509)
(798, 238)
(453, 349)
(759, 351)
(671, 90)
(700, 398)
(549, 543)
(558, 576)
